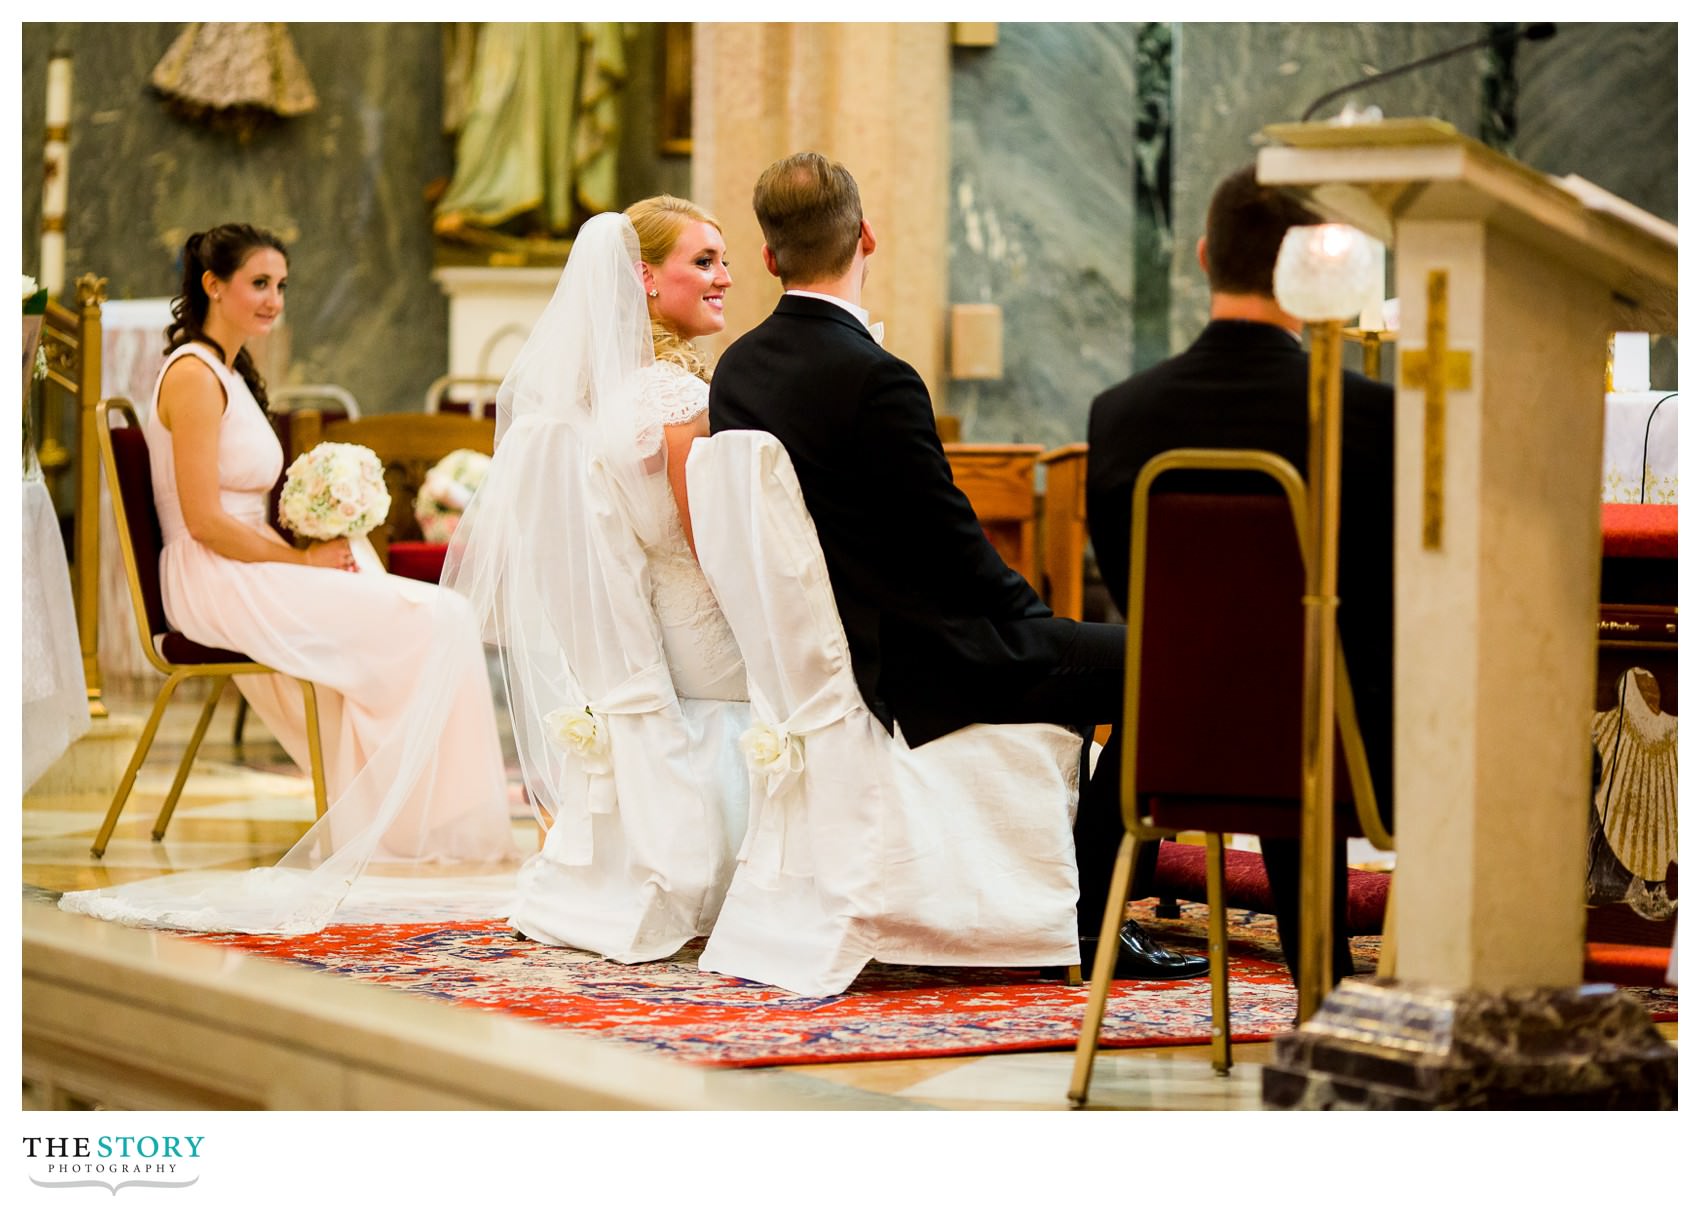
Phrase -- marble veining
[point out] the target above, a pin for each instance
(1231, 80)
(1383, 1044)
(1599, 100)
(1042, 146)
(345, 186)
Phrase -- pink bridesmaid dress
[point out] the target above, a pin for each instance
(404, 697)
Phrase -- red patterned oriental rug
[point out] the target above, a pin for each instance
(890, 1013)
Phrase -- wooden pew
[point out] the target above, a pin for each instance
(997, 479)
(1063, 529)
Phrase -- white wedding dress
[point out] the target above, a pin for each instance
(702, 656)
(626, 689)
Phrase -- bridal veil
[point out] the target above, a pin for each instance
(642, 792)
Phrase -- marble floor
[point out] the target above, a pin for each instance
(244, 805)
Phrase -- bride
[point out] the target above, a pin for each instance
(624, 682)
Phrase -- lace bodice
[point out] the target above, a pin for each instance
(674, 393)
(701, 653)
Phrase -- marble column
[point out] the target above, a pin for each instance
(874, 96)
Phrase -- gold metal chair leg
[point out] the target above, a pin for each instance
(315, 757)
(1388, 964)
(1215, 879)
(183, 766)
(1103, 969)
(143, 744)
(1072, 977)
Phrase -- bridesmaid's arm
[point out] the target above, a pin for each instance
(678, 439)
(191, 405)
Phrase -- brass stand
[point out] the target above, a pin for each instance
(1321, 601)
(1372, 339)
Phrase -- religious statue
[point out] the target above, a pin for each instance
(535, 108)
(234, 75)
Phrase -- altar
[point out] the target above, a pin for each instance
(491, 312)
(1640, 448)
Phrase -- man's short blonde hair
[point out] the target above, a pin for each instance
(811, 216)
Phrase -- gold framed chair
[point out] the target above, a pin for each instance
(124, 454)
(1215, 655)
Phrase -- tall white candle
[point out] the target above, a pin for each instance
(56, 172)
(59, 91)
(1371, 320)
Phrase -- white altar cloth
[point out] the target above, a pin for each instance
(1630, 439)
(55, 700)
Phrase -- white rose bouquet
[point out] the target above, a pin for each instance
(336, 491)
(447, 491)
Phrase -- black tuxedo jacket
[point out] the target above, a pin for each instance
(1245, 384)
(936, 621)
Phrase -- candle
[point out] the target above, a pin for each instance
(59, 91)
(1325, 272)
(1372, 320)
(56, 169)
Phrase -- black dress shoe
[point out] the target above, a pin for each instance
(1142, 958)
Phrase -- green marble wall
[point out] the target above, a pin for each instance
(1042, 221)
(1234, 79)
(344, 185)
(1084, 155)
(1600, 101)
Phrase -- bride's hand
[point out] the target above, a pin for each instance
(333, 553)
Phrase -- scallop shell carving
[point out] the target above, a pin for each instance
(1636, 798)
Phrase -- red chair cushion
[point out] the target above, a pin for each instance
(179, 649)
(135, 483)
(418, 561)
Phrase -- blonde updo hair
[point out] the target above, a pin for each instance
(658, 222)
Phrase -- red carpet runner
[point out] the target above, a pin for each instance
(890, 1013)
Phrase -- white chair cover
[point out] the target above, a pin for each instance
(639, 853)
(860, 848)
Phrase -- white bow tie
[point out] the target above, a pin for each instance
(877, 331)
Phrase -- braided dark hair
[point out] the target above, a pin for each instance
(222, 250)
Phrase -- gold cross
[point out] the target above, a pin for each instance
(1436, 370)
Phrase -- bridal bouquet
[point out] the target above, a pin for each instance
(447, 490)
(336, 491)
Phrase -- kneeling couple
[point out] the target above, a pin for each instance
(941, 632)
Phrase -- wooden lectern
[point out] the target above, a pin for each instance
(1509, 282)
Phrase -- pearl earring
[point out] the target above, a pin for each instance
(655, 294)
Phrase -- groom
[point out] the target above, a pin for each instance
(942, 632)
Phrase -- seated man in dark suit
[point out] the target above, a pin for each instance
(1243, 383)
(942, 632)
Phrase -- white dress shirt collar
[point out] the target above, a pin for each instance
(861, 313)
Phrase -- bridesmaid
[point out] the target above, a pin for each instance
(395, 661)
